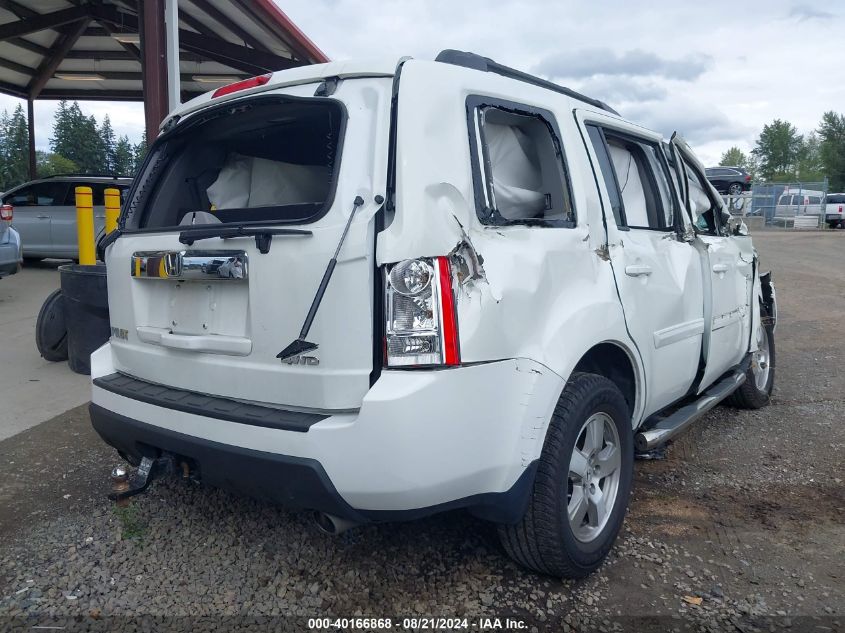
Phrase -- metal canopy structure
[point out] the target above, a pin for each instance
(116, 50)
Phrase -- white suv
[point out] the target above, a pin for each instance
(459, 286)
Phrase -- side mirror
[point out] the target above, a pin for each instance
(736, 226)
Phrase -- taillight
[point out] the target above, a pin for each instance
(748, 178)
(421, 318)
(252, 82)
(6, 212)
(840, 209)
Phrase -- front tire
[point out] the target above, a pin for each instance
(756, 391)
(583, 482)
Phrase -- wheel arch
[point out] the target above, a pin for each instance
(616, 362)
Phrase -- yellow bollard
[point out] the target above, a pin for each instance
(85, 226)
(112, 196)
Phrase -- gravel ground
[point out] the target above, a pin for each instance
(740, 528)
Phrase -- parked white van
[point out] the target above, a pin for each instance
(459, 286)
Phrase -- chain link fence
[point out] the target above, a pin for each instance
(789, 205)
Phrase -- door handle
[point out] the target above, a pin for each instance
(99, 217)
(43, 217)
(720, 268)
(638, 270)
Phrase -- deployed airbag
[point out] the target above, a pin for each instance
(249, 181)
(517, 176)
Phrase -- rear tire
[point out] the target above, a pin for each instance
(735, 189)
(582, 485)
(756, 391)
(51, 330)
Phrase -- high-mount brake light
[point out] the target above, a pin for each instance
(244, 84)
(422, 328)
(6, 212)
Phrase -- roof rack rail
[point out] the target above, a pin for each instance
(487, 65)
(77, 175)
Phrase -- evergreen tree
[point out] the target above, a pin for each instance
(108, 144)
(77, 138)
(14, 148)
(832, 149)
(810, 167)
(140, 151)
(124, 157)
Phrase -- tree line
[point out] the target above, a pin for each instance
(79, 144)
(781, 154)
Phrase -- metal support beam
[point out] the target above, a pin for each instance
(30, 120)
(64, 42)
(18, 68)
(18, 9)
(219, 50)
(43, 21)
(171, 23)
(153, 65)
(220, 17)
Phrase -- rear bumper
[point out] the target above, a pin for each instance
(422, 442)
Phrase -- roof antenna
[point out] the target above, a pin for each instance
(300, 345)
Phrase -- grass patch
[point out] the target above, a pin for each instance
(131, 527)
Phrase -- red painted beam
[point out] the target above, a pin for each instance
(153, 65)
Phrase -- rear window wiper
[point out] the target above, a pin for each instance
(263, 236)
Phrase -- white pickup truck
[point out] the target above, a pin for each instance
(458, 286)
(834, 210)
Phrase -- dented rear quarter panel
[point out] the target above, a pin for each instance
(546, 294)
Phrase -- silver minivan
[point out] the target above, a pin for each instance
(45, 213)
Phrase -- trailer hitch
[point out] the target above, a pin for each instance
(124, 487)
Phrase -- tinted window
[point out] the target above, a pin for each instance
(520, 173)
(642, 181)
(836, 199)
(97, 190)
(42, 194)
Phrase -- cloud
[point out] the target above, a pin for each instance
(637, 62)
(621, 89)
(804, 12)
(696, 123)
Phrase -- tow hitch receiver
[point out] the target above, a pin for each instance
(124, 487)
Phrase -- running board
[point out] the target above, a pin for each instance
(665, 429)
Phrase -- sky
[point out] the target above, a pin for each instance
(715, 71)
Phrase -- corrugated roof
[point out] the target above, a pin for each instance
(88, 49)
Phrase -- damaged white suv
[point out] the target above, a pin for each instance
(380, 291)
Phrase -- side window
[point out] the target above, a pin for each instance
(815, 200)
(22, 198)
(701, 206)
(608, 175)
(643, 183)
(519, 174)
(43, 194)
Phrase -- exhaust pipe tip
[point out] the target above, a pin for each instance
(333, 525)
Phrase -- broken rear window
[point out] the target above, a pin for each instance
(268, 160)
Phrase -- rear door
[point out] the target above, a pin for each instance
(658, 276)
(211, 316)
(63, 224)
(33, 215)
(727, 260)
